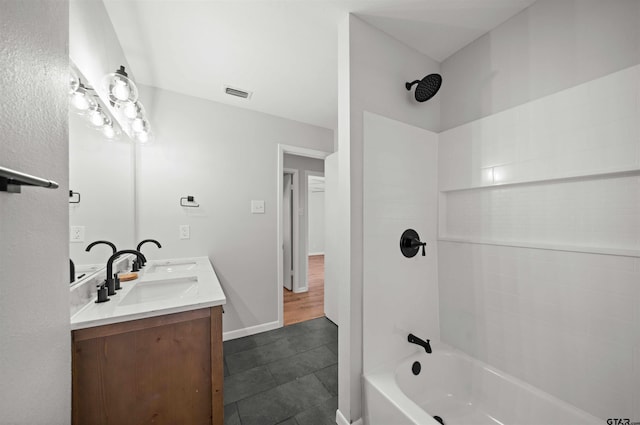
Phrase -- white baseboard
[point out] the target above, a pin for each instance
(251, 330)
(341, 420)
(316, 253)
(303, 289)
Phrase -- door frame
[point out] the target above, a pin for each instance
(294, 150)
(295, 226)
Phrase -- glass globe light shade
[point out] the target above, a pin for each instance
(133, 110)
(109, 130)
(82, 101)
(139, 124)
(144, 134)
(120, 88)
(74, 81)
(96, 117)
(142, 137)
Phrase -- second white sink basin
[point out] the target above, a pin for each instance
(157, 290)
(171, 267)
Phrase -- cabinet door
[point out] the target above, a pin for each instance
(163, 370)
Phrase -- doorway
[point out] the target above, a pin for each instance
(302, 296)
(305, 299)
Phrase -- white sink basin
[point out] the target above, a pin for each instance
(161, 289)
(171, 267)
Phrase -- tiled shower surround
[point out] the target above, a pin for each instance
(540, 277)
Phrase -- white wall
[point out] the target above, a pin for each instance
(35, 354)
(225, 157)
(550, 46)
(332, 238)
(102, 171)
(302, 164)
(539, 258)
(400, 192)
(316, 223)
(373, 68)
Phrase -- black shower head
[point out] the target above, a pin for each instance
(427, 87)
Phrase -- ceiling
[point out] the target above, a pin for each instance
(285, 52)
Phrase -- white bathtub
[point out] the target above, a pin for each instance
(462, 391)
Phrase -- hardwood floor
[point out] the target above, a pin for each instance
(306, 305)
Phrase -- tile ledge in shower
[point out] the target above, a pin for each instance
(547, 246)
(627, 172)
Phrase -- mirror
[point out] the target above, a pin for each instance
(101, 170)
(101, 183)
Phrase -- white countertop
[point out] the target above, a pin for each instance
(164, 287)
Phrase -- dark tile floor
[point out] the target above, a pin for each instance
(288, 376)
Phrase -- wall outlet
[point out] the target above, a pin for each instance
(257, 207)
(76, 234)
(185, 231)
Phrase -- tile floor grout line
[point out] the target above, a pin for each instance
(282, 358)
(272, 342)
(279, 385)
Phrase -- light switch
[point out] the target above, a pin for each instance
(257, 207)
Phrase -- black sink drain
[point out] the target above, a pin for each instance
(416, 368)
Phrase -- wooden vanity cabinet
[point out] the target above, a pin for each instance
(160, 370)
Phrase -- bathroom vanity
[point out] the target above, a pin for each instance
(153, 353)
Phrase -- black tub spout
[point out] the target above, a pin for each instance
(415, 340)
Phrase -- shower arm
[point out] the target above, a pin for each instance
(409, 85)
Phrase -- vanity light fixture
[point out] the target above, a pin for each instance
(108, 129)
(143, 136)
(97, 118)
(82, 100)
(139, 125)
(120, 88)
(74, 81)
(133, 110)
(141, 129)
(87, 103)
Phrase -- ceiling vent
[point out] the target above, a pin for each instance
(233, 91)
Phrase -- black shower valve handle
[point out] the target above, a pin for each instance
(416, 243)
(410, 243)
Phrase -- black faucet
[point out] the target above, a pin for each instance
(113, 281)
(92, 244)
(137, 266)
(72, 271)
(415, 340)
